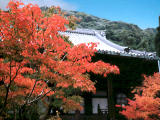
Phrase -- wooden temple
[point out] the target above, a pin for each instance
(114, 89)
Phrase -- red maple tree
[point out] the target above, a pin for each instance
(146, 103)
(36, 61)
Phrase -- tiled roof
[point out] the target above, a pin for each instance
(105, 46)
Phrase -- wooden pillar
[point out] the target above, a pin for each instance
(111, 107)
(88, 104)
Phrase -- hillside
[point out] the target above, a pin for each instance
(131, 35)
(88, 21)
(119, 32)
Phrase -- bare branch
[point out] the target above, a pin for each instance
(64, 57)
(8, 87)
(32, 89)
(11, 80)
(39, 97)
(16, 73)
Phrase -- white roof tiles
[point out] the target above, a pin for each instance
(105, 46)
(77, 38)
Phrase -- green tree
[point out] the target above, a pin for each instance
(157, 41)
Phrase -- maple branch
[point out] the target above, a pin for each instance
(32, 89)
(11, 80)
(16, 73)
(8, 87)
(64, 57)
(38, 97)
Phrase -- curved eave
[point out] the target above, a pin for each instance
(105, 47)
(125, 54)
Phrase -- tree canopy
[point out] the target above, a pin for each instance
(157, 42)
(36, 61)
(146, 102)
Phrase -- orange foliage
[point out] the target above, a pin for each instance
(31, 45)
(146, 103)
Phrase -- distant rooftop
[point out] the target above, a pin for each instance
(104, 45)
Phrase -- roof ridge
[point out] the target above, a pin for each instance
(106, 41)
(86, 31)
(113, 48)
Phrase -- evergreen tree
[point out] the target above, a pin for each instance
(157, 41)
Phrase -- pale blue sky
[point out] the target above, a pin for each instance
(143, 13)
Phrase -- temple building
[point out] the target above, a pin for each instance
(114, 89)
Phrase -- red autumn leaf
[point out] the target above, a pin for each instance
(36, 60)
